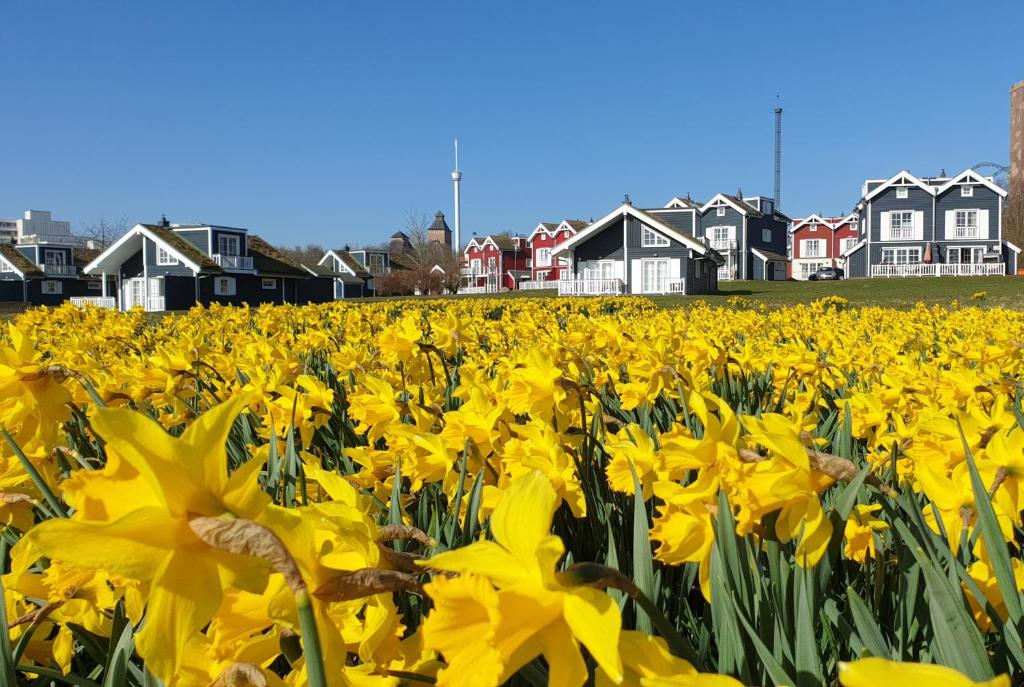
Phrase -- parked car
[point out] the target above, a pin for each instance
(826, 273)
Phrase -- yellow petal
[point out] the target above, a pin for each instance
(134, 546)
(522, 519)
(482, 558)
(596, 622)
(565, 664)
(871, 672)
(208, 436)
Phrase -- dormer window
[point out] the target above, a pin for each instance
(720, 212)
(966, 191)
(228, 244)
(902, 192)
(652, 239)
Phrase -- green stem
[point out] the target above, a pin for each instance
(6, 658)
(37, 479)
(56, 675)
(310, 640)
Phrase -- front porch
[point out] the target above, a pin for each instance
(924, 269)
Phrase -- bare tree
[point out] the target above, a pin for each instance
(103, 232)
(310, 254)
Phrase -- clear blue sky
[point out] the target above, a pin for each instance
(328, 122)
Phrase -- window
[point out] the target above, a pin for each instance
(847, 243)
(542, 275)
(492, 263)
(269, 284)
(652, 239)
(376, 263)
(812, 248)
(766, 235)
(475, 266)
(654, 276)
(965, 254)
(165, 258)
(901, 256)
(224, 286)
(227, 244)
(901, 225)
(720, 212)
(54, 257)
(902, 192)
(966, 224)
(606, 269)
(529, 263)
(543, 257)
(51, 287)
(6, 266)
(814, 228)
(809, 268)
(967, 191)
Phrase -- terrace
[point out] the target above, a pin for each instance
(940, 269)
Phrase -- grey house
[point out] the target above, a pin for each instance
(638, 252)
(750, 233)
(174, 266)
(931, 226)
(45, 272)
(352, 278)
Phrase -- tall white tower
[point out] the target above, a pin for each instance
(456, 179)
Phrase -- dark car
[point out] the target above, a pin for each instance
(826, 273)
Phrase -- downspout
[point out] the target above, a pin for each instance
(625, 252)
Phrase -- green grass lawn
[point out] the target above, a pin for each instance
(1007, 292)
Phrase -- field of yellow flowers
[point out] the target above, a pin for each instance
(536, 491)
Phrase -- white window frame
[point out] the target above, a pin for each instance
(967, 191)
(652, 239)
(224, 286)
(605, 269)
(977, 254)
(56, 258)
(376, 262)
(544, 257)
(805, 249)
(809, 268)
(894, 254)
(476, 266)
(660, 277)
(903, 192)
(51, 287)
(964, 228)
(847, 243)
(233, 243)
(164, 258)
(904, 229)
(766, 235)
(268, 283)
(6, 266)
(492, 263)
(542, 275)
(720, 212)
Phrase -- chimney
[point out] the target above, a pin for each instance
(626, 200)
(1015, 214)
(163, 221)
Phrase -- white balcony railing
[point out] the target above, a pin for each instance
(233, 262)
(722, 244)
(107, 302)
(726, 273)
(940, 269)
(60, 270)
(590, 287)
(155, 304)
(476, 289)
(536, 285)
(676, 286)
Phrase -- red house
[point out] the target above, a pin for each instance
(496, 262)
(817, 241)
(542, 241)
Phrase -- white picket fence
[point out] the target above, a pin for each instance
(590, 287)
(98, 301)
(537, 285)
(940, 269)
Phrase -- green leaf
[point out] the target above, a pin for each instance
(117, 663)
(6, 657)
(807, 658)
(957, 641)
(643, 560)
(867, 629)
(848, 496)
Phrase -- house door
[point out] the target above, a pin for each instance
(654, 276)
(135, 293)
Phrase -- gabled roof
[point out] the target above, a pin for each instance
(549, 228)
(347, 261)
(17, 260)
(505, 242)
(651, 220)
(737, 204)
(268, 260)
(574, 224)
(165, 238)
(903, 178)
(812, 219)
(324, 271)
(970, 176)
(399, 262)
(680, 202)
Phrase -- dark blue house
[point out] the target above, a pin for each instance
(174, 266)
(750, 233)
(931, 226)
(45, 272)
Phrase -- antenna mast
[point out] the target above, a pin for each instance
(456, 179)
(778, 152)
